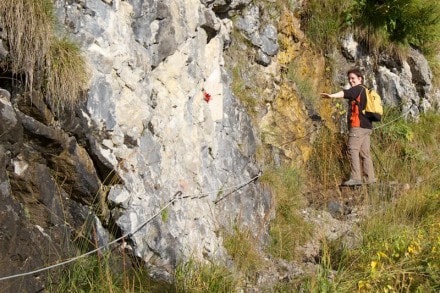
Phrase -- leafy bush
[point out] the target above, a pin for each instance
(381, 24)
(406, 22)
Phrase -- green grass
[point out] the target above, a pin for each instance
(29, 26)
(242, 246)
(324, 21)
(55, 65)
(404, 151)
(105, 273)
(288, 230)
(328, 163)
(390, 25)
(63, 62)
(195, 277)
(400, 248)
(405, 22)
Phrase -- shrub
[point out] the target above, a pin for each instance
(382, 25)
(406, 22)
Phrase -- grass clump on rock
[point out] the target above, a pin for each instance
(48, 63)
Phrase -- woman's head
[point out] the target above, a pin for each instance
(355, 77)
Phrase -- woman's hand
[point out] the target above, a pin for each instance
(339, 94)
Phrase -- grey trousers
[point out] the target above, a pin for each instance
(359, 154)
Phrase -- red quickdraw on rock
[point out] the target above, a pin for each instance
(207, 97)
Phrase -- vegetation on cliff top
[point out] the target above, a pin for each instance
(381, 25)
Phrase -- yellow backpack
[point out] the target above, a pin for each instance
(373, 110)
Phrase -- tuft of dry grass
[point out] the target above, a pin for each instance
(29, 27)
(196, 277)
(64, 61)
(49, 64)
(242, 247)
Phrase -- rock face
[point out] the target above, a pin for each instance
(160, 128)
(153, 65)
(38, 215)
(405, 83)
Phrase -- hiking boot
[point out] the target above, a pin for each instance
(352, 182)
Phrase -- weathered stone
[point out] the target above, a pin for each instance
(265, 38)
(11, 131)
(3, 52)
(350, 48)
(37, 220)
(269, 38)
(77, 172)
(222, 6)
(421, 73)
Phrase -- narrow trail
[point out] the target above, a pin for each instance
(336, 214)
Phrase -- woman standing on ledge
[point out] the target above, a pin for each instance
(360, 129)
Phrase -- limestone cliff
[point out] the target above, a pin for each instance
(184, 96)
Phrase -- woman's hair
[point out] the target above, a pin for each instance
(356, 71)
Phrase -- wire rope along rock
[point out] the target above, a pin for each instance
(177, 196)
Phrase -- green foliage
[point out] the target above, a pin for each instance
(406, 22)
(322, 281)
(328, 162)
(288, 229)
(165, 215)
(406, 151)
(381, 24)
(198, 278)
(324, 21)
(242, 247)
(103, 273)
(400, 248)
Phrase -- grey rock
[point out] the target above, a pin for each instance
(11, 130)
(269, 38)
(421, 72)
